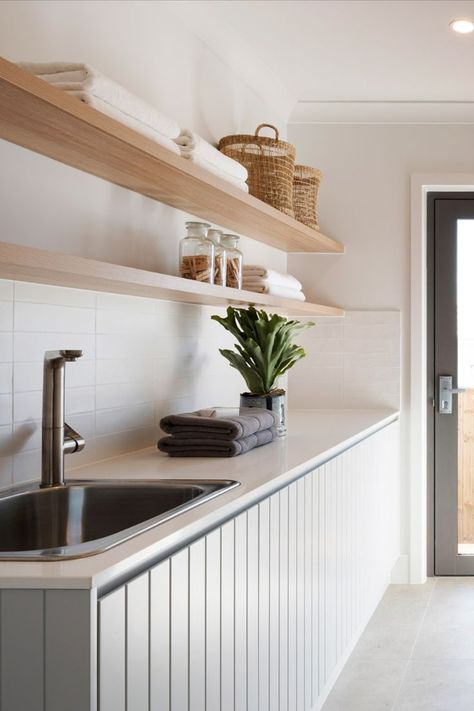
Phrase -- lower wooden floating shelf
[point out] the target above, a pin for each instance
(36, 265)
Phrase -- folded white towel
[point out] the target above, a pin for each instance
(193, 146)
(276, 290)
(258, 275)
(119, 116)
(82, 77)
(220, 174)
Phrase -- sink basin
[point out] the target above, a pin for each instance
(87, 517)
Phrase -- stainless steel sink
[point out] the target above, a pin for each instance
(82, 518)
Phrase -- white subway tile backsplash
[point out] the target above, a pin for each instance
(6, 471)
(121, 302)
(126, 322)
(53, 319)
(6, 378)
(5, 409)
(80, 400)
(5, 440)
(6, 315)
(6, 290)
(361, 368)
(6, 347)
(60, 296)
(27, 406)
(127, 418)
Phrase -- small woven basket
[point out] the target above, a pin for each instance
(305, 195)
(270, 164)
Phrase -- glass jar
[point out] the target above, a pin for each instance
(196, 254)
(233, 260)
(219, 257)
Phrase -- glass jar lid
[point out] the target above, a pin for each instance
(197, 229)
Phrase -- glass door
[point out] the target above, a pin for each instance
(452, 228)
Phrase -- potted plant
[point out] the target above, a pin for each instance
(265, 351)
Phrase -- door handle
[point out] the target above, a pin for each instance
(445, 394)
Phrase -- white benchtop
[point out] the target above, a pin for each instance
(313, 437)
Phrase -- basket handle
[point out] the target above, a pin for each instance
(268, 125)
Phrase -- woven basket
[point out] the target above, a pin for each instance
(270, 164)
(305, 195)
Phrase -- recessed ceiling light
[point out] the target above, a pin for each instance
(463, 27)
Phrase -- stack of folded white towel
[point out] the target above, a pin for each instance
(267, 281)
(105, 95)
(195, 148)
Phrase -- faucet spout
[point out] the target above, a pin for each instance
(58, 438)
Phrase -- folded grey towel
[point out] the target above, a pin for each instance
(197, 447)
(215, 424)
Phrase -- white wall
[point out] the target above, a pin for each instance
(114, 399)
(364, 202)
(149, 49)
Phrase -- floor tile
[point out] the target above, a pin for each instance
(366, 686)
(437, 686)
(386, 641)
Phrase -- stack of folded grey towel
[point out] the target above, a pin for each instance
(215, 433)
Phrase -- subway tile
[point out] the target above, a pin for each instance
(6, 347)
(325, 395)
(372, 317)
(371, 345)
(26, 436)
(114, 346)
(27, 406)
(127, 322)
(6, 290)
(6, 440)
(55, 295)
(122, 302)
(6, 471)
(5, 409)
(27, 466)
(318, 375)
(123, 394)
(373, 331)
(6, 315)
(129, 418)
(30, 347)
(6, 378)
(113, 445)
(79, 400)
(53, 319)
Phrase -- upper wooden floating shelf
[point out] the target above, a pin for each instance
(36, 265)
(44, 119)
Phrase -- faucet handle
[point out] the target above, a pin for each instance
(71, 354)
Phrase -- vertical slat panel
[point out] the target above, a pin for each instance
(213, 621)
(339, 559)
(112, 645)
(160, 603)
(179, 630)
(315, 586)
(138, 626)
(308, 590)
(264, 605)
(227, 616)
(22, 650)
(68, 672)
(284, 586)
(331, 568)
(322, 576)
(274, 617)
(292, 594)
(197, 626)
(300, 596)
(252, 608)
(240, 662)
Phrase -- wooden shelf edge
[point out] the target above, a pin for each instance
(35, 265)
(37, 116)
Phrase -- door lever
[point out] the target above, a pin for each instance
(445, 394)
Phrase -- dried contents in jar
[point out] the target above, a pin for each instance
(219, 269)
(197, 267)
(233, 272)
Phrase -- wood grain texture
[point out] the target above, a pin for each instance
(466, 467)
(40, 266)
(36, 115)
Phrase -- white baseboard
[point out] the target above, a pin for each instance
(401, 570)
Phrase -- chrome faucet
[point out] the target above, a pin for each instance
(58, 438)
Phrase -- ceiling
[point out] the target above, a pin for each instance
(356, 50)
